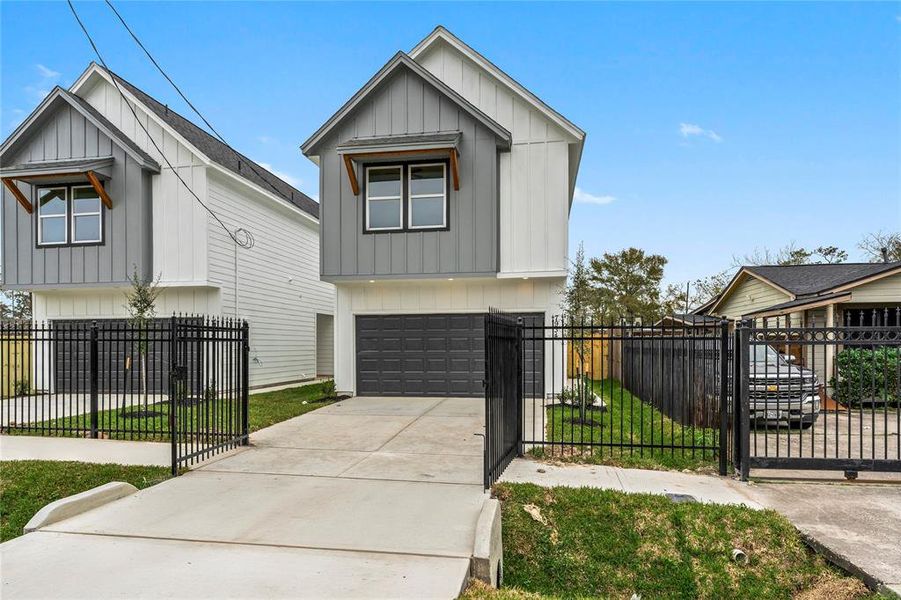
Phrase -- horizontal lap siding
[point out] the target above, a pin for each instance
(279, 291)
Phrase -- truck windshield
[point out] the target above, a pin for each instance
(763, 353)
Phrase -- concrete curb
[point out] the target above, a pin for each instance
(70, 506)
(844, 563)
(487, 560)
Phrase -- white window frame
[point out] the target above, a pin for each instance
(399, 198)
(411, 196)
(73, 214)
(64, 216)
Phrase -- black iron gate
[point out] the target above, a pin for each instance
(503, 392)
(208, 398)
(818, 397)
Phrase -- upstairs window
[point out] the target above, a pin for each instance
(410, 197)
(384, 198)
(428, 196)
(69, 215)
(53, 222)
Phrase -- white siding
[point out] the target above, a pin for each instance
(534, 175)
(179, 222)
(882, 291)
(325, 345)
(278, 287)
(109, 303)
(750, 296)
(430, 296)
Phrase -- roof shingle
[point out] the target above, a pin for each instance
(804, 280)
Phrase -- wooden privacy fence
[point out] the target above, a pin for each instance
(598, 358)
(15, 365)
(679, 376)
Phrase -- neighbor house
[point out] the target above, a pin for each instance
(88, 201)
(445, 189)
(808, 296)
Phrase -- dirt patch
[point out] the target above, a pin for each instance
(832, 586)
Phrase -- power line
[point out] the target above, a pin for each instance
(248, 241)
(180, 93)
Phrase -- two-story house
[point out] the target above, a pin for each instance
(445, 189)
(89, 200)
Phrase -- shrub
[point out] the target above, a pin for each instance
(865, 375)
(328, 390)
(22, 387)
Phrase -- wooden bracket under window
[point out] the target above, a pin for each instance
(17, 193)
(352, 174)
(101, 192)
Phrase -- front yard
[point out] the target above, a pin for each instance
(264, 409)
(634, 434)
(581, 543)
(29, 485)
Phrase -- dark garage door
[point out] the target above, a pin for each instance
(428, 355)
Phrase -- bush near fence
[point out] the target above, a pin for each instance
(868, 376)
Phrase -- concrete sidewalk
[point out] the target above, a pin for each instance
(370, 497)
(24, 447)
(704, 488)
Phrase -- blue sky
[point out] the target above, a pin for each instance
(713, 129)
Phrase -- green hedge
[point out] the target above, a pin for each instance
(865, 375)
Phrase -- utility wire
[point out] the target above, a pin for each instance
(246, 240)
(180, 93)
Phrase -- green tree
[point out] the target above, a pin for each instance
(579, 300)
(141, 307)
(15, 305)
(627, 283)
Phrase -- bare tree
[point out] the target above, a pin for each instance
(881, 246)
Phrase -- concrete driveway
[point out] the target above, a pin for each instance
(370, 497)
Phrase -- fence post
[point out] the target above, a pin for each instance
(740, 393)
(520, 373)
(724, 391)
(173, 387)
(245, 382)
(94, 377)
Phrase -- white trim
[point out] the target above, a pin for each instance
(399, 198)
(532, 274)
(735, 281)
(95, 68)
(64, 216)
(411, 196)
(73, 214)
(458, 44)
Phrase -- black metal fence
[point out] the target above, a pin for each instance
(181, 380)
(503, 389)
(626, 392)
(819, 397)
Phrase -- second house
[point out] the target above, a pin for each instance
(445, 189)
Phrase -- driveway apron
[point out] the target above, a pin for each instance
(369, 497)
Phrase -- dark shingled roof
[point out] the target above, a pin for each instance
(224, 154)
(804, 280)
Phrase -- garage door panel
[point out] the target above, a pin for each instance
(426, 355)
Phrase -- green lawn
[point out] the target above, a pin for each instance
(627, 420)
(592, 543)
(264, 410)
(29, 485)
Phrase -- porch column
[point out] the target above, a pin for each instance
(830, 349)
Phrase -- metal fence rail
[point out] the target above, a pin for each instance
(623, 391)
(820, 397)
(181, 380)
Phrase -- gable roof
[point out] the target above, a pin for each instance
(219, 152)
(806, 283)
(402, 60)
(57, 96)
(441, 33)
(804, 280)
